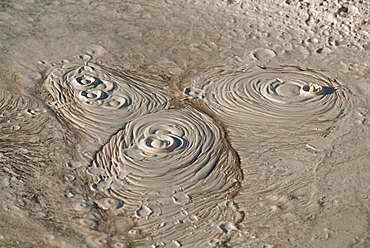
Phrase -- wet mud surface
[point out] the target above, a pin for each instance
(184, 124)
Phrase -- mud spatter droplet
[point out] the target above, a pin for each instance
(98, 240)
(75, 164)
(181, 198)
(110, 203)
(263, 54)
(121, 244)
(82, 206)
(16, 127)
(227, 227)
(88, 223)
(120, 225)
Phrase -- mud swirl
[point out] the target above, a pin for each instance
(168, 161)
(99, 100)
(270, 95)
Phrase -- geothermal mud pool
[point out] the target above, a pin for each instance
(184, 124)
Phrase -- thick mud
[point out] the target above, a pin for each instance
(184, 124)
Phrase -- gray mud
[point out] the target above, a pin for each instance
(184, 123)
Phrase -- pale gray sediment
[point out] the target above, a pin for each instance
(278, 89)
(32, 151)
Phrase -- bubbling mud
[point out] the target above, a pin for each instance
(171, 169)
(174, 149)
(171, 173)
(270, 95)
(99, 100)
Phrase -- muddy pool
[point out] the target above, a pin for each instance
(238, 123)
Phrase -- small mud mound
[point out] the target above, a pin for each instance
(174, 174)
(99, 100)
(270, 95)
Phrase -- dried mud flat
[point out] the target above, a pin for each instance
(184, 123)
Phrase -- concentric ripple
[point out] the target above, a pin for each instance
(270, 95)
(99, 100)
(167, 162)
(171, 150)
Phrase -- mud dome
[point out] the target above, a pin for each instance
(174, 173)
(184, 123)
(270, 95)
(98, 100)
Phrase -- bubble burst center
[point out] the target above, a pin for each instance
(270, 94)
(174, 148)
(99, 100)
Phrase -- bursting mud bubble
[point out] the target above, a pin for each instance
(99, 100)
